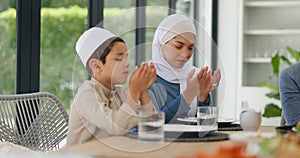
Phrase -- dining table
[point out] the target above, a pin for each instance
(122, 146)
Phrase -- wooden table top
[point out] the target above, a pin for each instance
(122, 146)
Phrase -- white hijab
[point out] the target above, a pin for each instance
(169, 28)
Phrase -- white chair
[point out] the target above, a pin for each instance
(37, 121)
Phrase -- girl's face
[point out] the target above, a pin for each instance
(115, 70)
(179, 50)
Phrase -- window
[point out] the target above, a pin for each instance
(119, 18)
(7, 46)
(159, 10)
(61, 25)
(62, 22)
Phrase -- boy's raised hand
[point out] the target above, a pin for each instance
(141, 79)
(152, 74)
(147, 75)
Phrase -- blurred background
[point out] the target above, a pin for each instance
(239, 36)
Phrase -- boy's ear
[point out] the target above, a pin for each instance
(96, 65)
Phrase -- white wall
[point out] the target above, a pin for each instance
(228, 35)
(230, 92)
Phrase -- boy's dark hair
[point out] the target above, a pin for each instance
(101, 55)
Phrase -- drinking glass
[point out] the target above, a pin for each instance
(150, 128)
(207, 118)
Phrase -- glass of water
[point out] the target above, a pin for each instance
(150, 128)
(207, 119)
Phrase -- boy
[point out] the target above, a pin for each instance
(102, 108)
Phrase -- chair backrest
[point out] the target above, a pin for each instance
(37, 121)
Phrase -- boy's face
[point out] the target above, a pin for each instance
(115, 70)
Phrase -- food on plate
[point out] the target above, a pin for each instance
(297, 127)
(284, 145)
(236, 150)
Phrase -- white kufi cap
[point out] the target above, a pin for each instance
(90, 40)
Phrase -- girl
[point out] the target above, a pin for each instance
(179, 91)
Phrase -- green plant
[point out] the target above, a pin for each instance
(272, 109)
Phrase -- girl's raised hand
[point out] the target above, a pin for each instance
(204, 82)
(192, 87)
(216, 79)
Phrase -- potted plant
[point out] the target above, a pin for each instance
(272, 109)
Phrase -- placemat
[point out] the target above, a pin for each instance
(187, 136)
(230, 127)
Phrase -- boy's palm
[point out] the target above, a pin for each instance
(152, 76)
(142, 77)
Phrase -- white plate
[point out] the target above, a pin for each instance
(226, 120)
(194, 120)
(186, 128)
(188, 119)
